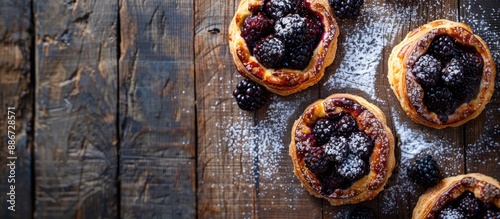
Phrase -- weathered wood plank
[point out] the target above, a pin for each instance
(157, 113)
(76, 107)
(482, 140)
(227, 159)
(280, 193)
(16, 92)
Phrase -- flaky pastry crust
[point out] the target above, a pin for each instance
(410, 94)
(432, 202)
(284, 81)
(372, 121)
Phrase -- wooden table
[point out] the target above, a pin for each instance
(124, 109)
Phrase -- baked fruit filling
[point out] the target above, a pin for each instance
(282, 33)
(450, 74)
(338, 153)
(468, 206)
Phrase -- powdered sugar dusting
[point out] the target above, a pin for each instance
(489, 140)
(264, 140)
(262, 147)
(363, 49)
(415, 142)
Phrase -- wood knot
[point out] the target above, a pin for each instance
(214, 31)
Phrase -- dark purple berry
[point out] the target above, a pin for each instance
(336, 149)
(352, 168)
(323, 130)
(291, 29)
(249, 95)
(346, 125)
(492, 214)
(469, 205)
(255, 8)
(301, 8)
(277, 9)
(424, 171)
(443, 47)
(269, 52)
(314, 30)
(255, 28)
(349, 9)
(427, 70)
(332, 181)
(316, 161)
(468, 90)
(362, 212)
(360, 144)
(298, 57)
(472, 64)
(450, 213)
(438, 100)
(453, 73)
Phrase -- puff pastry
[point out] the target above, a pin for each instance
(484, 188)
(411, 94)
(371, 121)
(284, 81)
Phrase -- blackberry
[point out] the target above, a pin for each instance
(349, 9)
(346, 125)
(438, 99)
(332, 181)
(352, 168)
(270, 51)
(360, 144)
(337, 148)
(492, 214)
(255, 8)
(424, 171)
(472, 64)
(323, 130)
(315, 161)
(298, 57)
(453, 73)
(468, 91)
(255, 28)
(301, 8)
(362, 212)
(314, 30)
(427, 70)
(277, 9)
(249, 95)
(291, 29)
(469, 205)
(443, 47)
(450, 213)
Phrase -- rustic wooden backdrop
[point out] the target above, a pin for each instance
(119, 106)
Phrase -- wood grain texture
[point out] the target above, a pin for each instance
(280, 193)
(482, 138)
(16, 91)
(76, 107)
(157, 112)
(226, 170)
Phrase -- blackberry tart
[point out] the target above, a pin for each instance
(465, 196)
(342, 149)
(283, 45)
(442, 74)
